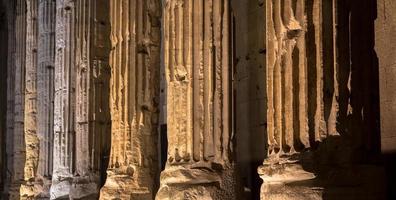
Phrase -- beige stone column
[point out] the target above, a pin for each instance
(134, 98)
(299, 114)
(64, 112)
(197, 58)
(45, 94)
(32, 143)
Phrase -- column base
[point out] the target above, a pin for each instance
(37, 189)
(60, 189)
(12, 192)
(75, 187)
(352, 182)
(287, 181)
(42, 186)
(122, 187)
(27, 191)
(198, 182)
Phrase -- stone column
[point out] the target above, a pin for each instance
(45, 94)
(134, 98)
(64, 112)
(197, 58)
(81, 108)
(32, 143)
(301, 110)
(92, 84)
(15, 135)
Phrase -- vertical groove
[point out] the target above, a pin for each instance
(134, 65)
(32, 143)
(271, 62)
(197, 60)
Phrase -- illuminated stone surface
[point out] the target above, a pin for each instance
(134, 98)
(83, 82)
(197, 63)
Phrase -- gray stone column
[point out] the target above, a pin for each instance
(64, 112)
(81, 119)
(45, 94)
(134, 98)
(197, 57)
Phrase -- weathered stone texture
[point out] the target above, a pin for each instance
(287, 92)
(45, 95)
(80, 83)
(15, 135)
(322, 101)
(32, 143)
(134, 98)
(197, 59)
(81, 108)
(92, 99)
(64, 112)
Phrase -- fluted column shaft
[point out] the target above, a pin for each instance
(32, 143)
(92, 86)
(15, 135)
(81, 109)
(197, 57)
(45, 94)
(134, 97)
(301, 91)
(64, 113)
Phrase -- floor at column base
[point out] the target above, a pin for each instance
(280, 191)
(84, 191)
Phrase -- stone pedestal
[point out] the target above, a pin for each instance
(198, 181)
(287, 180)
